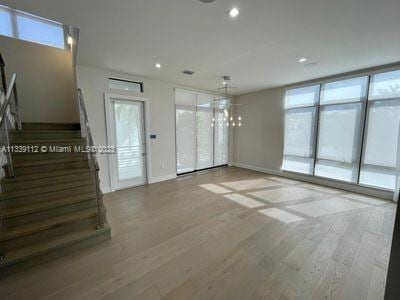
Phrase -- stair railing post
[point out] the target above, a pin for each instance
(99, 202)
(17, 111)
(3, 74)
(10, 168)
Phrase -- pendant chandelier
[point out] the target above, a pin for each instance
(224, 102)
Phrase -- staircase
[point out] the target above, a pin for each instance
(50, 202)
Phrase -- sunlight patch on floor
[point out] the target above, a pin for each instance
(250, 184)
(281, 215)
(215, 188)
(243, 200)
(326, 207)
(284, 194)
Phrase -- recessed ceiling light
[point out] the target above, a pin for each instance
(302, 60)
(224, 82)
(234, 12)
(188, 72)
(158, 65)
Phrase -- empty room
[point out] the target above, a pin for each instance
(199, 149)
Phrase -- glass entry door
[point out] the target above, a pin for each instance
(128, 164)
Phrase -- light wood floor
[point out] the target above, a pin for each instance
(226, 234)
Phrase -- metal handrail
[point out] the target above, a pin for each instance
(93, 163)
(10, 120)
(3, 74)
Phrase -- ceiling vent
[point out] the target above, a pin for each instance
(207, 1)
(187, 72)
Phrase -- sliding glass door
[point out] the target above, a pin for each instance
(204, 131)
(185, 116)
(221, 135)
(202, 137)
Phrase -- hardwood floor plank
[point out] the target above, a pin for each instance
(177, 240)
(331, 281)
(358, 280)
(378, 282)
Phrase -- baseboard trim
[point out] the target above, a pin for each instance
(255, 168)
(105, 189)
(163, 178)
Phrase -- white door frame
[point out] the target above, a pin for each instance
(146, 116)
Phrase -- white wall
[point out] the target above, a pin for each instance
(45, 82)
(160, 95)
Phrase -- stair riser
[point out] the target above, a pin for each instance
(47, 189)
(49, 162)
(49, 168)
(26, 157)
(45, 136)
(48, 233)
(28, 184)
(55, 253)
(52, 146)
(31, 199)
(50, 126)
(50, 213)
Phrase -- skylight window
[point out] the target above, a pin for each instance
(5, 22)
(125, 85)
(23, 26)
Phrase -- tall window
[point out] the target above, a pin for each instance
(382, 131)
(300, 129)
(339, 134)
(201, 136)
(24, 26)
(357, 132)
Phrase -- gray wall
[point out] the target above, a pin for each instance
(46, 86)
(259, 142)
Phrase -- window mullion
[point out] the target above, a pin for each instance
(316, 129)
(14, 24)
(361, 142)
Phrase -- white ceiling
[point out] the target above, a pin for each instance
(259, 49)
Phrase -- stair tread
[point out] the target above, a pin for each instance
(23, 131)
(46, 175)
(30, 228)
(42, 247)
(33, 126)
(49, 161)
(41, 190)
(49, 141)
(11, 212)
